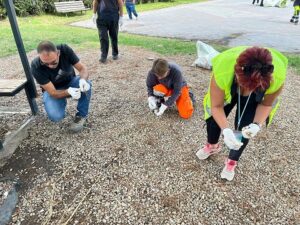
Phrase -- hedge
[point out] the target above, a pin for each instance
(34, 7)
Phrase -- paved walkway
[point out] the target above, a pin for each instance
(229, 22)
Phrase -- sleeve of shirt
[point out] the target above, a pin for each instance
(73, 58)
(151, 82)
(38, 75)
(177, 83)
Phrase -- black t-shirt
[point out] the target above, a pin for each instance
(108, 9)
(62, 74)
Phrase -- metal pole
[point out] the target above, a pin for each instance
(30, 88)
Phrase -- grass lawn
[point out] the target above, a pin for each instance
(55, 28)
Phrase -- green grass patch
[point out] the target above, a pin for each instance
(294, 61)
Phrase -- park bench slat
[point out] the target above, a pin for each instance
(11, 87)
(71, 6)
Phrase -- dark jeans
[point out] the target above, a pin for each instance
(214, 131)
(56, 107)
(130, 7)
(110, 27)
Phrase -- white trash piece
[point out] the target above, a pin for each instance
(205, 54)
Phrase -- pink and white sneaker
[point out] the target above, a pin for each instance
(228, 170)
(208, 150)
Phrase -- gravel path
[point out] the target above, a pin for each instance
(129, 167)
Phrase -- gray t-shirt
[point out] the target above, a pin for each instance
(174, 81)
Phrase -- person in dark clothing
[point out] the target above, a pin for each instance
(165, 80)
(54, 70)
(130, 7)
(295, 17)
(108, 15)
(257, 1)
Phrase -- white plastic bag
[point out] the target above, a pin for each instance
(205, 54)
(283, 3)
(271, 3)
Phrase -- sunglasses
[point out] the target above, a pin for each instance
(53, 63)
(264, 69)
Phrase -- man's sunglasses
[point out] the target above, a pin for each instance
(264, 69)
(53, 63)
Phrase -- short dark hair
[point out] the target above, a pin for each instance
(160, 67)
(46, 46)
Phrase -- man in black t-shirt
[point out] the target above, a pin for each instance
(108, 15)
(54, 71)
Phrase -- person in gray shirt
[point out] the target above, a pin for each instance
(165, 80)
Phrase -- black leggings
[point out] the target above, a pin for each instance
(214, 131)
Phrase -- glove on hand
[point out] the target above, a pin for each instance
(250, 131)
(94, 18)
(230, 139)
(84, 85)
(161, 110)
(121, 21)
(74, 92)
(152, 102)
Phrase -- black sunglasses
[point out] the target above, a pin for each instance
(264, 69)
(53, 63)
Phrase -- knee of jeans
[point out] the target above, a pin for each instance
(56, 117)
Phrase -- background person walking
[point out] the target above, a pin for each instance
(130, 8)
(295, 18)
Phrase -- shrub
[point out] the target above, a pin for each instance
(2, 10)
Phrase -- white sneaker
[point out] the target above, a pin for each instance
(208, 150)
(228, 170)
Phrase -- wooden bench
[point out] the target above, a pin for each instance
(11, 87)
(71, 6)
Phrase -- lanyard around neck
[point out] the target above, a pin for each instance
(239, 107)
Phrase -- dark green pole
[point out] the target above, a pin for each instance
(30, 88)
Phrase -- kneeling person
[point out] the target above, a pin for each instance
(54, 71)
(165, 80)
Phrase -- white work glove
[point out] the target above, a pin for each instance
(152, 102)
(94, 18)
(230, 140)
(84, 85)
(74, 92)
(250, 131)
(161, 110)
(121, 21)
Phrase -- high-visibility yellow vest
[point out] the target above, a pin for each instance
(223, 72)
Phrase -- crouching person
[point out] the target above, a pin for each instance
(54, 71)
(165, 81)
(250, 78)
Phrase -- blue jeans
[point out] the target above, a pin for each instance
(55, 107)
(130, 7)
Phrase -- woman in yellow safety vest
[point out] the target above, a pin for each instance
(251, 78)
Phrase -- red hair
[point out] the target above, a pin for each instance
(254, 68)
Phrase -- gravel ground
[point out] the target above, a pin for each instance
(130, 167)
